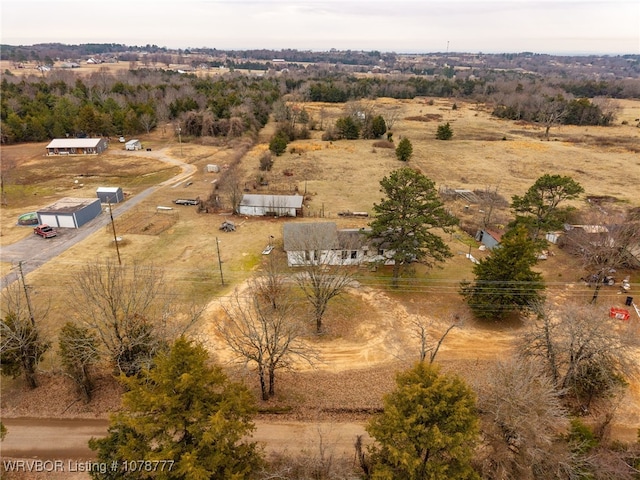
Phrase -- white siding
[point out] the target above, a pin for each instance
(66, 221)
(51, 220)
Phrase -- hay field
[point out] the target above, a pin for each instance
(484, 152)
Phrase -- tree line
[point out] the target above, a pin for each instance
(59, 104)
(103, 104)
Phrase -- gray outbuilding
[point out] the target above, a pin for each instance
(271, 205)
(110, 194)
(70, 212)
(134, 144)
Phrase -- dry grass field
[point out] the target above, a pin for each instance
(369, 334)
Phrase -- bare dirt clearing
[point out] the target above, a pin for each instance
(369, 335)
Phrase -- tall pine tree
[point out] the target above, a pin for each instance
(505, 282)
(405, 220)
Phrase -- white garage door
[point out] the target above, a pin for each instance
(51, 220)
(66, 221)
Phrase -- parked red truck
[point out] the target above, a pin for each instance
(45, 231)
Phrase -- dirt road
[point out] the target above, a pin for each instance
(64, 439)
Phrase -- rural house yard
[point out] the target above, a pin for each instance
(369, 331)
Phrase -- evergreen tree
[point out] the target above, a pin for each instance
(378, 126)
(539, 210)
(404, 150)
(428, 428)
(405, 218)
(182, 411)
(505, 282)
(444, 132)
(278, 144)
(347, 128)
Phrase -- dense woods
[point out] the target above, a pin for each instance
(103, 104)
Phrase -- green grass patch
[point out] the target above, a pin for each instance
(15, 193)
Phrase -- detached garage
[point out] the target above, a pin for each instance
(110, 194)
(70, 212)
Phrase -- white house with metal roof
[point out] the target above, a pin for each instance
(271, 205)
(322, 243)
(77, 146)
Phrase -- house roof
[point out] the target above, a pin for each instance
(74, 143)
(352, 238)
(278, 201)
(310, 236)
(497, 236)
(132, 142)
(68, 205)
(107, 189)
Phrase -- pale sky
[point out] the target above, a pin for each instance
(402, 26)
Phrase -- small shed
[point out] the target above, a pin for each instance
(271, 205)
(489, 238)
(110, 194)
(134, 144)
(70, 212)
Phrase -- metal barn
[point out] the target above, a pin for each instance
(70, 212)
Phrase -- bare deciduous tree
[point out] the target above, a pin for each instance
(551, 111)
(429, 345)
(21, 344)
(78, 350)
(605, 243)
(523, 419)
(129, 308)
(262, 329)
(585, 352)
(324, 264)
(147, 121)
(390, 118)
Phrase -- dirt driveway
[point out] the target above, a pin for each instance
(63, 442)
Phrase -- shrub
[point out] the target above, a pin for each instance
(278, 144)
(383, 144)
(266, 162)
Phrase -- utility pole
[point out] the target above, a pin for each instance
(113, 225)
(219, 261)
(26, 294)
